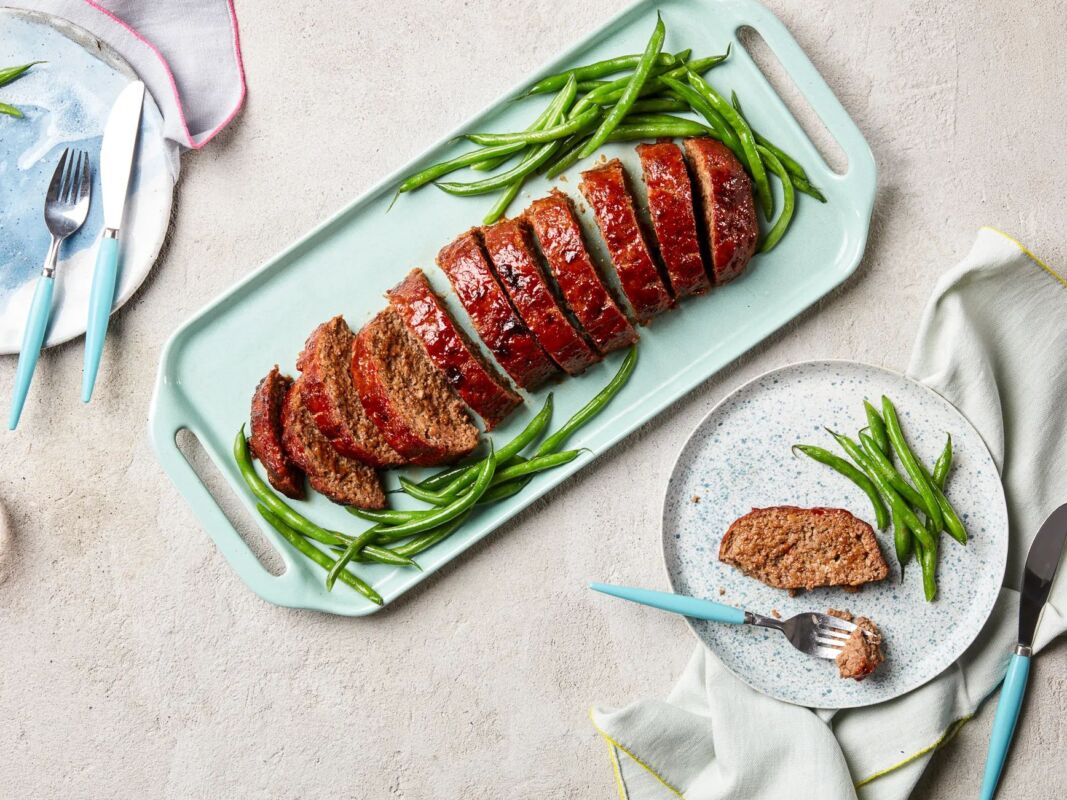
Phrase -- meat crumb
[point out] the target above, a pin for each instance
(721, 591)
(696, 498)
(862, 652)
(775, 613)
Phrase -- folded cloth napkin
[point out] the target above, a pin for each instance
(991, 341)
(188, 53)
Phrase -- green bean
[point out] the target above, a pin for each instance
(10, 110)
(943, 463)
(500, 207)
(911, 465)
(567, 156)
(563, 99)
(805, 186)
(589, 86)
(678, 130)
(531, 467)
(744, 134)
(610, 93)
(856, 476)
(361, 541)
(655, 105)
(902, 542)
(387, 516)
(877, 426)
(559, 131)
(880, 461)
(472, 158)
(781, 225)
(600, 68)
(631, 92)
(696, 101)
(429, 539)
(10, 73)
(928, 562)
(394, 517)
(953, 524)
(592, 408)
(314, 554)
(787, 160)
(503, 180)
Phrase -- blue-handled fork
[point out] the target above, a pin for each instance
(65, 208)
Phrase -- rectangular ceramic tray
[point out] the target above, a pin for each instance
(211, 365)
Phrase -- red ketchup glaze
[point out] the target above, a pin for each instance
(510, 251)
(560, 237)
(606, 191)
(729, 208)
(448, 347)
(670, 204)
(508, 339)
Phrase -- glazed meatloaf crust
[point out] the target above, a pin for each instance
(266, 439)
(486, 392)
(343, 480)
(727, 207)
(560, 237)
(508, 339)
(670, 205)
(862, 653)
(333, 401)
(511, 253)
(803, 548)
(406, 396)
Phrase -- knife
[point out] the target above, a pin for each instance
(116, 163)
(1041, 563)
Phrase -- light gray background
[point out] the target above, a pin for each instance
(134, 664)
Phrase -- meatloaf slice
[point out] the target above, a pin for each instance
(608, 195)
(559, 235)
(266, 439)
(511, 253)
(802, 548)
(343, 480)
(862, 652)
(406, 396)
(487, 393)
(727, 207)
(506, 336)
(670, 205)
(333, 401)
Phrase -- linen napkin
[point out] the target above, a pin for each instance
(188, 53)
(992, 341)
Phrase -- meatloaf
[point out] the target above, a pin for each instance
(803, 548)
(727, 207)
(559, 235)
(670, 205)
(607, 193)
(406, 396)
(343, 480)
(511, 253)
(266, 439)
(332, 399)
(862, 652)
(506, 336)
(486, 392)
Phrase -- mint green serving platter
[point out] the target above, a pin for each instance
(211, 365)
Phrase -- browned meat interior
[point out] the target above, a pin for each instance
(862, 652)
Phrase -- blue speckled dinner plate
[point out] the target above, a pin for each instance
(739, 458)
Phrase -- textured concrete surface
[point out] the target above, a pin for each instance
(133, 663)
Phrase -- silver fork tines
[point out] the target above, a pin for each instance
(815, 634)
(67, 203)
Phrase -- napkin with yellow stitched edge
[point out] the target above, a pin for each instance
(992, 341)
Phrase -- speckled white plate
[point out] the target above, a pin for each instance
(739, 458)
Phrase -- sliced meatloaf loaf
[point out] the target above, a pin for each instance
(486, 392)
(343, 480)
(607, 193)
(670, 205)
(333, 401)
(406, 396)
(506, 336)
(266, 439)
(727, 208)
(511, 253)
(862, 653)
(559, 235)
(803, 548)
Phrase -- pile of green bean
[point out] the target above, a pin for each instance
(396, 536)
(918, 508)
(588, 112)
(9, 74)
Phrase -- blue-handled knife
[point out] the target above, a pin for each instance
(116, 163)
(1041, 563)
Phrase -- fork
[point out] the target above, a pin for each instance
(817, 635)
(65, 208)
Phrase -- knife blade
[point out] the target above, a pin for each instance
(1038, 574)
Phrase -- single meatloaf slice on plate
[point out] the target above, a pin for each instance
(510, 251)
(727, 207)
(506, 336)
(333, 401)
(607, 193)
(559, 235)
(406, 396)
(344, 480)
(266, 439)
(862, 652)
(486, 392)
(670, 205)
(803, 548)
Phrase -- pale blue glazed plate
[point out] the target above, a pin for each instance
(210, 367)
(739, 458)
